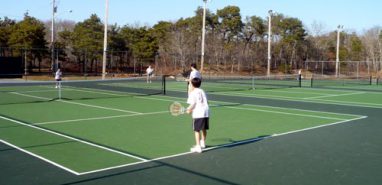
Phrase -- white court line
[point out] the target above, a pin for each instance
(286, 113)
(222, 146)
(136, 163)
(249, 95)
(129, 85)
(97, 92)
(49, 90)
(181, 154)
(292, 92)
(159, 99)
(41, 158)
(100, 107)
(232, 144)
(74, 139)
(171, 100)
(282, 134)
(219, 102)
(186, 153)
(102, 91)
(322, 101)
(76, 103)
(31, 96)
(303, 110)
(334, 95)
(99, 118)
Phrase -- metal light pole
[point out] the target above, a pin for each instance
(339, 28)
(203, 35)
(105, 41)
(269, 42)
(54, 10)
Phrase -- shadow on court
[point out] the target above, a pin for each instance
(130, 175)
(161, 165)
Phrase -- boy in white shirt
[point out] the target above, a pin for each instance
(149, 72)
(198, 106)
(193, 74)
(57, 77)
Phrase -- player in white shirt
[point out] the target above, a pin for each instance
(149, 72)
(57, 77)
(194, 74)
(198, 107)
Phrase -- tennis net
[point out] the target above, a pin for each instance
(277, 81)
(324, 81)
(239, 83)
(42, 91)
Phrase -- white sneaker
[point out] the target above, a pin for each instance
(197, 149)
(202, 144)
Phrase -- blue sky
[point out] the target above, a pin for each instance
(356, 15)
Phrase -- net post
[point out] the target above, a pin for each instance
(299, 80)
(311, 81)
(164, 84)
(59, 90)
(370, 80)
(253, 82)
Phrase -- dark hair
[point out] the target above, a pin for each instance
(193, 65)
(196, 82)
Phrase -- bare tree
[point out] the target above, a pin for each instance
(371, 40)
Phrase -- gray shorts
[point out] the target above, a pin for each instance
(199, 124)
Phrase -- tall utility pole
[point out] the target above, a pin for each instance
(203, 35)
(339, 28)
(105, 40)
(54, 10)
(269, 42)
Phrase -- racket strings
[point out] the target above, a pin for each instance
(176, 109)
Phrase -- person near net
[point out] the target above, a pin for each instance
(198, 107)
(299, 73)
(58, 78)
(193, 74)
(149, 72)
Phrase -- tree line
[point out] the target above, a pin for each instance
(233, 44)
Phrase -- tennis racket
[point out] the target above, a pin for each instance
(180, 78)
(176, 109)
(177, 77)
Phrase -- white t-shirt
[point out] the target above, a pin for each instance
(58, 75)
(195, 74)
(198, 99)
(149, 70)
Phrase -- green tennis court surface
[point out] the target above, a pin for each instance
(350, 92)
(102, 131)
(330, 96)
(88, 135)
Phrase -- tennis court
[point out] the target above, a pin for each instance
(355, 97)
(92, 131)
